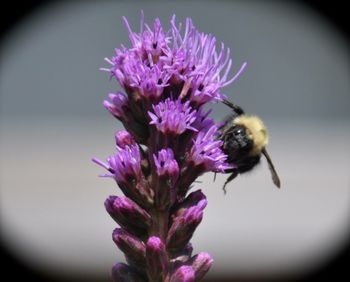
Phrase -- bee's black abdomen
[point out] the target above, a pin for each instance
(248, 163)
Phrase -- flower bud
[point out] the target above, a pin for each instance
(125, 168)
(128, 214)
(121, 272)
(184, 226)
(126, 165)
(123, 139)
(191, 200)
(166, 165)
(157, 260)
(184, 273)
(118, 104)
(201, 264)
(133, 248)
(167, 172)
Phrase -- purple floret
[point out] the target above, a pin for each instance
(173, 117)
(166, 164)
(123, 166)
(207, 151)
(117, 105)
(158, 59)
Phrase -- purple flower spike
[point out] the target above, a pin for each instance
(173, 117)
(133, 248)
(201, 264)
(169, 140)
(157, 259)
(184, 273)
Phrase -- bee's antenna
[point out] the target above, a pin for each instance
(238, 110)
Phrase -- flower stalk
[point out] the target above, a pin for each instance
(169, 140)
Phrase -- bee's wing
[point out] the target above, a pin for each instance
(275, 178)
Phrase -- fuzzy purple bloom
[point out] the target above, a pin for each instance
(156, 58)
(207, 151)
(124, 166)
(166, 165)
(169, 140)
(173, 117)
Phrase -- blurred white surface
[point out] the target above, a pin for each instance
(52, 212)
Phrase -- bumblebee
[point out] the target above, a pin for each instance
(244, 141)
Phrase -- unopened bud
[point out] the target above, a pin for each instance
(128, 214)
(133, 248)
(184, 273)
(184, 226)
(117, 105)
(191, 200)
(157, 260)
(201, 264)
(167, 173)
(123, 139)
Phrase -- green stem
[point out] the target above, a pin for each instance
(160, 224)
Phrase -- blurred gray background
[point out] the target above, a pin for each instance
(52, 122)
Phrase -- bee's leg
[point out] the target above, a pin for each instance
(229, 179)
(214, 176)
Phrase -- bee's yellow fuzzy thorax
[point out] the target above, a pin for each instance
(256, 131)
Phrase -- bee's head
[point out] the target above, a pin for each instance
(255, 130)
